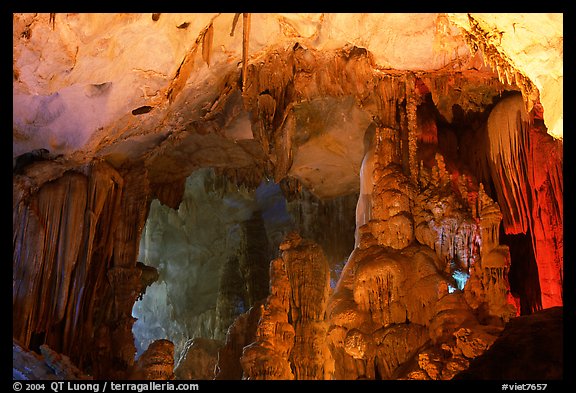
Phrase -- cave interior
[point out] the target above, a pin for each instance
(287, 196)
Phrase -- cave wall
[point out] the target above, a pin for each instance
(74, 286)
(526, 165)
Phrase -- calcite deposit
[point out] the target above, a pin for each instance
(198, 360)
(288, 196)
(291, 337)
(156, 363)
(48, 365)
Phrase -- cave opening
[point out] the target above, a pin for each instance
(36, 341)
(213, 255)
(523, 274)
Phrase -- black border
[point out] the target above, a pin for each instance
(353, 7)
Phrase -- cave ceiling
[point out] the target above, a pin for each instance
(282, 95)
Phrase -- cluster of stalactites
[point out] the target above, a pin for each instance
(485, 41)
(57, 243)
(296, 74)
(526, 166)
(75, 244)
(445, 218)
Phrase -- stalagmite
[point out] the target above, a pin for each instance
(267, 357)
(157, 362)
(489, 287)
(291, 336)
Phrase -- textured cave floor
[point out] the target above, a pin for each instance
(531, 347)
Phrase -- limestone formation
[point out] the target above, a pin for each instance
(308, 196)
(198, 360)
(240, 334)
(48, 365)
(291, 335)
(418, 282)
(157, 362)
(529, 181)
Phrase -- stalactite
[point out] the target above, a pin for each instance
(124, 277)
(134, 211)
(83, 266)
(487, 42)
(545, 163)
(57, 208)
(170, 194)
(389, 91)
(470, 94)
(529, 188)
(299, 74)
(92, 213)
(188, 63)
(507, 158)
(245, 47)
(412, 101)
(207, 44)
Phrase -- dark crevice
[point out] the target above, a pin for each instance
(523, 274)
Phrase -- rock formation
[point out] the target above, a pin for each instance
(291, 336)
(48, 365)
(282, 196)
(198, 360)
(240, 334)
(537, 332)
(398, 286)
(157, 362)
(528, 182)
